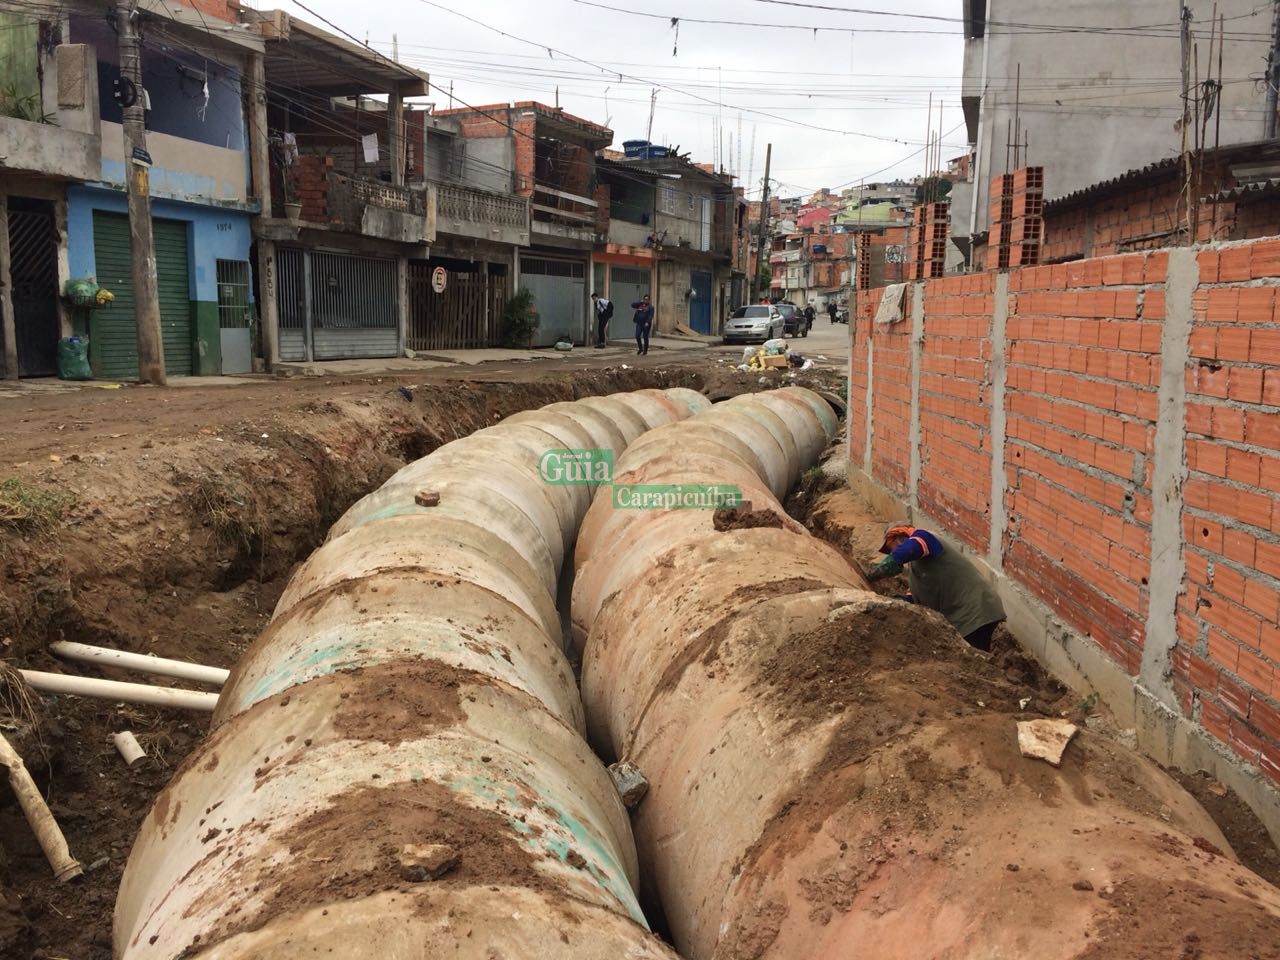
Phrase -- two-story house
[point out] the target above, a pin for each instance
(62, 156)
(551, 159)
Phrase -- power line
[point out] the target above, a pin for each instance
(657, 83)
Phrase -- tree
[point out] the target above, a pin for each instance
(932, 189)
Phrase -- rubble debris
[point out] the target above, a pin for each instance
(1045, 739)
(427, 498)
(420, 862)
(631, 783)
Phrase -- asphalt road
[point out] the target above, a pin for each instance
(826, 339)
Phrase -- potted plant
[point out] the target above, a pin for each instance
(292, 206)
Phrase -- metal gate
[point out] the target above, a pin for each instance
(33, 273)
(235, 316)
(466, 315)
(336, 305)
(559, 289)
(113, 329)
(626, 286)
(700, 301)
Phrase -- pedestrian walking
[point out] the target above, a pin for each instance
(941, 579)
(809, 314)
(644, 322)
(604, 313)
(831, 310)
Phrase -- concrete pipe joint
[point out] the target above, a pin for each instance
(398, 766)
(836, 774)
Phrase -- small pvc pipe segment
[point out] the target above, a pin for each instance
(129, 748)
(117, 690)
(140, 663)
(52, 842)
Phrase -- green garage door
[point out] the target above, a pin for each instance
(113, 337)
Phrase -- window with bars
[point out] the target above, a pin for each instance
(234, 311)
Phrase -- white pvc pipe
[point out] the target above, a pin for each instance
(52, 842)
(116, 690)
(129, 748)
(140, 662)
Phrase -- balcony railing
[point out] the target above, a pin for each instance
(349, 197)
(466, 212)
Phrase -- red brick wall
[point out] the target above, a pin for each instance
(891, 387)
(1082, 379)
(1083, 372)
(1147, 217)
(955, 416)
(227, 10)
(1229, 659)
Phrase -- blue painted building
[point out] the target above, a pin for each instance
(201, 203)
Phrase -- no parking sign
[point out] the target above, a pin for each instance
(439, 279)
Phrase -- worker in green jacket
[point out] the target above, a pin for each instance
(943, 580)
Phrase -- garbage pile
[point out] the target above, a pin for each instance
(773, 355)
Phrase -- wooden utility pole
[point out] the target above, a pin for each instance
(137, 162)
(1273, 70)
(260, 161)
(764, 225)
(8, 326)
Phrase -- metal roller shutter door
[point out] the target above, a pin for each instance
(113, 340)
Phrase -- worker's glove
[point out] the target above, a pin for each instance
(888, 567)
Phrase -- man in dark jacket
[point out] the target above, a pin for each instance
(943, 580)
(644, 322)
(604, 313)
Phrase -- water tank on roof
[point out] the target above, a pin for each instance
(643, 150)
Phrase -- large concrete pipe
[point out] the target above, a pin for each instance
(397, 767)
(834, 774)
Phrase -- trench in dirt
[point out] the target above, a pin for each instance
(182, 549)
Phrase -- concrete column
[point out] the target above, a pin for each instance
(1169, 473)
(402, 298)
(917, 363)
(65, 319)
(871, 376)
(999, 519)
(268, 309)
(395, 134)
(8, 326)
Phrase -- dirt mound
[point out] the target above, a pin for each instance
(744, 518)
(840, 517)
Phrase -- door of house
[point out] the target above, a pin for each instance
(33, 273)
(465, 314)
(113, 330)
(336, 305)
(626, 286)
(559, 289)
(700, 301)
(235, 316)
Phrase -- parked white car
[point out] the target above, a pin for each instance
(759, 322)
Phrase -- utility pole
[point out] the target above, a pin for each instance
(764, 225)
(1273, 70)
(137, 163)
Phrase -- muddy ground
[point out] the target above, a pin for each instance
(832, 511)
(167, 521)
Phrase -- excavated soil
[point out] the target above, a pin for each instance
(951, 671)
(185, 511)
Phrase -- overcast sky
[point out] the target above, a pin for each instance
(846, 103)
